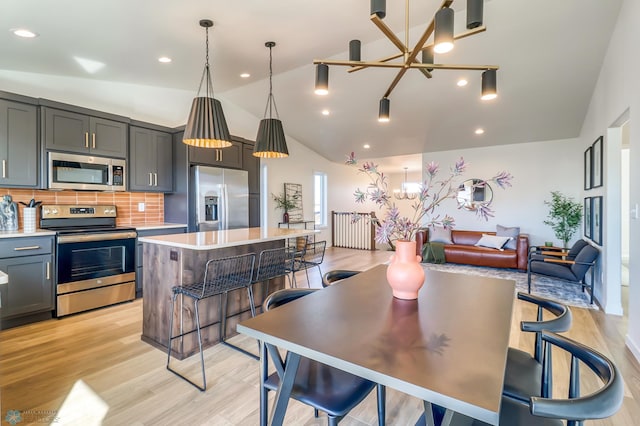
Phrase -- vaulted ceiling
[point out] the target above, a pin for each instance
(549, 53)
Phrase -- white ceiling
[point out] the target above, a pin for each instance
(549, 53)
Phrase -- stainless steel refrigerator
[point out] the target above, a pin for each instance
(219, 199)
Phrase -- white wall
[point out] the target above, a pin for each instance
(538, 168)
(624, 206)
(618, 91)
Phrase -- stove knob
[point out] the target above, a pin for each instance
(54, 211)
(45, 211)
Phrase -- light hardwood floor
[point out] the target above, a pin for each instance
(92, 368)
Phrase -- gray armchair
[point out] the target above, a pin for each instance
(566, 269)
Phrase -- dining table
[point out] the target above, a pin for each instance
(447, 348)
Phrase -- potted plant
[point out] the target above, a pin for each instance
(564, 216)
(285, 204)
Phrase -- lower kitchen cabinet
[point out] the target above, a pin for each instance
(29, 294)
(150, 233)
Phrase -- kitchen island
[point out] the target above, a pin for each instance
(180, 259)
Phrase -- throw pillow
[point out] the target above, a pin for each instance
(492, 241)
(513, 232)
(440, 234)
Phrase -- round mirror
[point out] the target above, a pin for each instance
(473, 193)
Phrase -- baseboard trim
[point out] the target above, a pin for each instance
(633, 347)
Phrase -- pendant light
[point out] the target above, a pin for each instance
(206, 125)
(270, 142)
(403, 193)
(383, 110)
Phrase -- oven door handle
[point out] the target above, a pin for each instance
(66, 239)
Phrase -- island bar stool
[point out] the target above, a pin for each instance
(220, 277)
(274, 263)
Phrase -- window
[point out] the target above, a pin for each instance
(320, 198)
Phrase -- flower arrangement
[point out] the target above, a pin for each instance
(434, 191)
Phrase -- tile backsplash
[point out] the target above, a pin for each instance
(125, 202)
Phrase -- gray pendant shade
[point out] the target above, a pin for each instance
(206, 126)
(489, 85)
(270, 142)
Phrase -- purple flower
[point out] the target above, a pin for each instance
(432, 168)
(503, 179)
(379, 196)
(351, 159)
(355, 217)
(484, 211)
(459, 166)
(360, 196)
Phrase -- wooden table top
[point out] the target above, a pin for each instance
(448, 347)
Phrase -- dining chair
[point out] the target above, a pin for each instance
(220, 277)
(318, 385)
(337, 275)
(523, 372)
(600, 404)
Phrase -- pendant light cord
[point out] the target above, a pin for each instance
(206, 74)
(271, 102)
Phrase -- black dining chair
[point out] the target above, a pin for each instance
(337, 275)
(320, 386)
(220, 277)
(575, 409)
(523, 373)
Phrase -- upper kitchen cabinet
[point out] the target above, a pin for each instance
(84, 134)
(230, 157)
(150, 160)
(18, 144)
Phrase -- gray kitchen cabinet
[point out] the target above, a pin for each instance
(18, 145)
(230, 157)
(150, 160)
(252, 165)
(79, 133)
(29, 294)
(150, 233)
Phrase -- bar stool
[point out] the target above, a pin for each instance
(274, 263)
(220, 277)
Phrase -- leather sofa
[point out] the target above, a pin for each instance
(463, 250)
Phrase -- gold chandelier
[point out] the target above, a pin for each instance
(441, 27)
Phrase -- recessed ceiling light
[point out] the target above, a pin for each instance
(164, 59)
(325, 112)
(462, 82)
(245, 75)
(479, 131)
(22, 32)
(366, 146)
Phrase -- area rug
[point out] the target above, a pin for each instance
(570, 294)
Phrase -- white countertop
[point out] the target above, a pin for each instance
(228, 238)
(161, 225)
(20, 233)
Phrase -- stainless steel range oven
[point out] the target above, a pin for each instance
(95, 260)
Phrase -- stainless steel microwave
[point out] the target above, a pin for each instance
(85, 172)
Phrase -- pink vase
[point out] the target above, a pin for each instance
(405, 274)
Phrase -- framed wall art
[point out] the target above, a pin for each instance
(587, 169)
(293, 193)
(596, 163)
(596, 220)
(587, 217)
